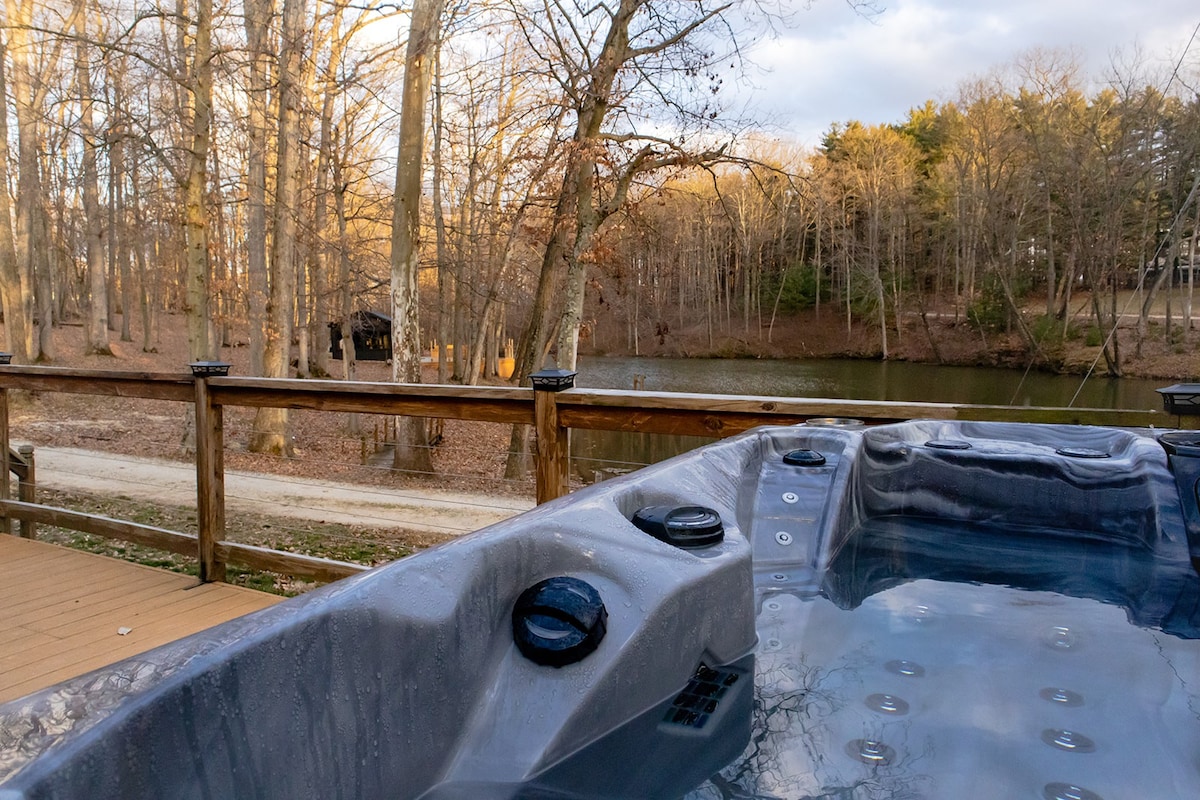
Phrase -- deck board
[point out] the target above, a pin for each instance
(60, 610)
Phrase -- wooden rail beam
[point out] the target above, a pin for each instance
(484, 403)
(148, 385)
(725, 415)
(148, 535)
(294, 564)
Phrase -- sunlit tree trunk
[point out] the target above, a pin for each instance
(412, 452)
(270, 424)
(195, 189)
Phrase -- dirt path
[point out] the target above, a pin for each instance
(174, 483)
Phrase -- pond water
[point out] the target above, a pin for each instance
(599, 454)
(868, 380)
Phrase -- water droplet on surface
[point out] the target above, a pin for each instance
(1061, 637)
(1068, 791)
(869, 751)
(905, 667)
(1069, 741)
(887, 704)
(1061, 696)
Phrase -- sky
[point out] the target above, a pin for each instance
(832, 64)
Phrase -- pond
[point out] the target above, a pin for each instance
(600, 454)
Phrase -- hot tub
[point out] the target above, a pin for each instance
(928, 609)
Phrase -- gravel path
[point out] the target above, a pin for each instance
(174, 483)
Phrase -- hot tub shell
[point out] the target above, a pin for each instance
(405, 682)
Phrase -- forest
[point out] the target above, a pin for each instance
(532, 177)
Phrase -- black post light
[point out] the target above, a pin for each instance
(210, 369)
(553, 380)
(1182, 399)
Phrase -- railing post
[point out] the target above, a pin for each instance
(5, 465)
(210, 471)
(27, 489)
(553, 440)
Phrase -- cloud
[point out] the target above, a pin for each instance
(836, 65)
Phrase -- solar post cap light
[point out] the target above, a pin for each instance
(210, 369)
(553, 380)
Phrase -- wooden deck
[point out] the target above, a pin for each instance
(60, 611)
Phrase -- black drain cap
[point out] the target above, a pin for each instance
(687, 527)
(804, 458)
(1082, 452)
(948, 444)
(559, 621)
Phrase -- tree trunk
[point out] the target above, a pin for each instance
(196, 189)
(96, 329)
(17, 306)
(270, 424)
(412, 452)
(318, 261)
(349, 356)
(119, 233)
(30, 245)
(257, 18)
(442, 258)
(146, 299)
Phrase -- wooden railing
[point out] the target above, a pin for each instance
(552, 414)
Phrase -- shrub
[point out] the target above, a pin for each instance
(798, 291)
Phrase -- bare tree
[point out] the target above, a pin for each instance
(29, 92)
(601, 57)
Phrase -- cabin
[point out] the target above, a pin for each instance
(372, 334)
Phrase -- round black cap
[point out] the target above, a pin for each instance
(688, 527)
(1182, 443)
(559, 621)
(1082, 452)
(948, 444)
(804, 458)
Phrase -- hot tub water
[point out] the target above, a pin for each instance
(933, 689)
